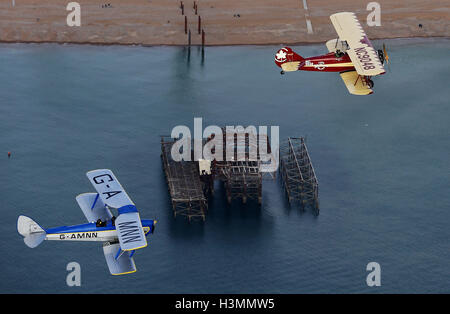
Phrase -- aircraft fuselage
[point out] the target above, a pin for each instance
(90, 232)
(327, 63)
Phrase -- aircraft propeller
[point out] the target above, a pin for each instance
(386, 56)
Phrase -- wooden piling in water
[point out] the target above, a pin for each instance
(189, 38)
(185, 24)
(199, 24)
(203, 40)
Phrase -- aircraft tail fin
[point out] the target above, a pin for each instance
(288, 60)
(33, 233)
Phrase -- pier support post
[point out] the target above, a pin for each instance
(189, 38)
(203, 40)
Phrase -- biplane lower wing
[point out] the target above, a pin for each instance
(93, 207)
(129, 229)
(118, 265)
(355, 83)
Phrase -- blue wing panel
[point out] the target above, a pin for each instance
(124, 264)
(93, 208)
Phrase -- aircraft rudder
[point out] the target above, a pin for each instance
(286, 54)
(33, 233)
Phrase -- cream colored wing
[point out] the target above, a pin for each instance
(336, 44)
(361, 52)
(355, 84)
(290, 66)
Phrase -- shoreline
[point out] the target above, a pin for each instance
(308, 43)
(150, 23)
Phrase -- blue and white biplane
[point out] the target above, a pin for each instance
(121, 236)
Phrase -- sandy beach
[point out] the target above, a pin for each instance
(225, 22)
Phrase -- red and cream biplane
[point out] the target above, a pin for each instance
(352, 55)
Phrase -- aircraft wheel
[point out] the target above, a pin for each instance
(282, 72)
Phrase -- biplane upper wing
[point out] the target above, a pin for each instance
(360, 49)
(109, 188)
(128, 223)
(355, 84)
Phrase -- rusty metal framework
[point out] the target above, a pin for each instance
(297, 174)
(242, 180)
(241, 166)
(240, 172)
(183, 181)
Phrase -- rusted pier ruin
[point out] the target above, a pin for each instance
(297, 174)
(183, 181)
(242, 180)
(242, 172)
(245, 162)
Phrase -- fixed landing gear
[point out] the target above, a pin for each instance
(282, 72)
(366, 80)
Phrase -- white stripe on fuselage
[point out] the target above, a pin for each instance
(102, 236)
(316, 65)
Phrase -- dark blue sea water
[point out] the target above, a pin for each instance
(382, 163)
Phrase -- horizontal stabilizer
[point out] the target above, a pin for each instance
(290, 66)
(93, 207)
(33, 233)
(33, 240)
(124, 264)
